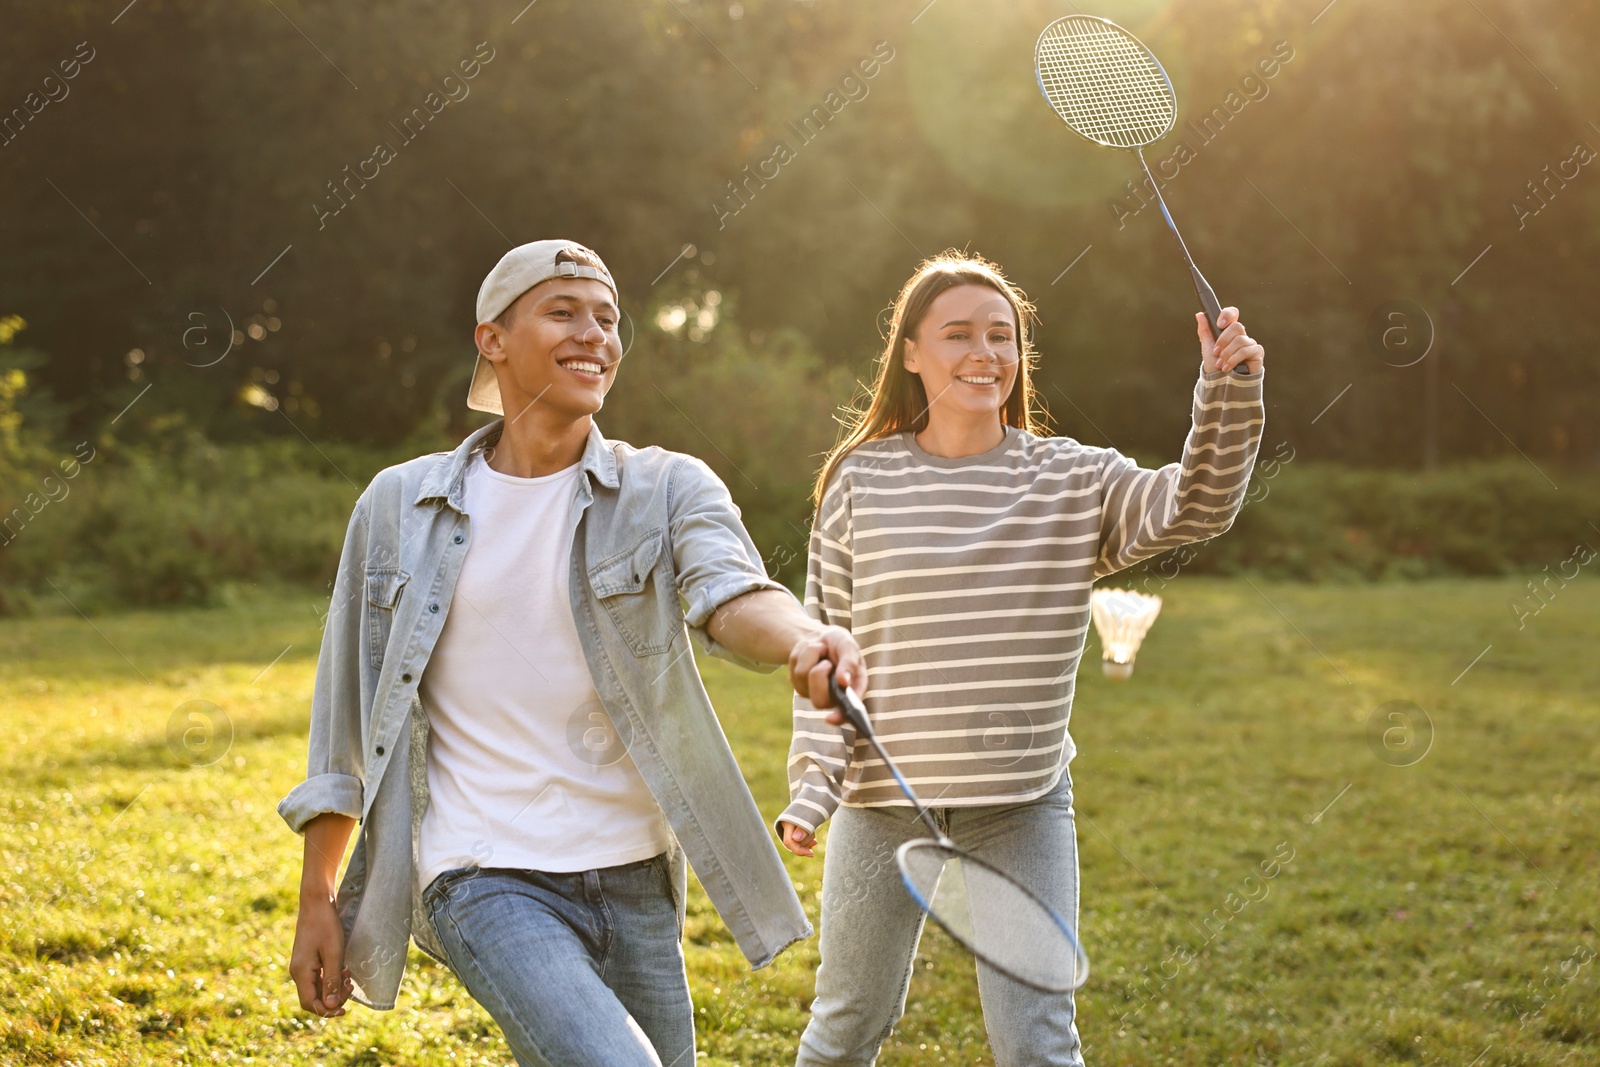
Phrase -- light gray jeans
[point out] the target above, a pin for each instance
(871, 926)
(579, 970)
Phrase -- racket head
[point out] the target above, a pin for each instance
(993, 916)
(1103, 82)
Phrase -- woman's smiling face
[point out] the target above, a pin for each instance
(965, 350)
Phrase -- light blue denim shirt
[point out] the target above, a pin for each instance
(657, 546)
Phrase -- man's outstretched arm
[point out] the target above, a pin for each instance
(770, 626)
(735, 606)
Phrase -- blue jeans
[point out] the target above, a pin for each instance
(871, 926)
(578, 970)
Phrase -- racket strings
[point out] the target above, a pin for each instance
(990, 914)
(1107, 89)
(1109, 80)
(1104, 84)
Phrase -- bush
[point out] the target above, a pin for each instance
(176, 518)
(1319, 522)
(142, 527)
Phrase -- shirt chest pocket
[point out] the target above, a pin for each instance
(384, 586)
(636, 587)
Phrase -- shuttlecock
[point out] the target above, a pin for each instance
(1122, 617)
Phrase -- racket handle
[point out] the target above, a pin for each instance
(1208, 299)
(1212, 308)
(849, 705)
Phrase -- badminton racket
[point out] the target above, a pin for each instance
(989, 913)
(1110, 89)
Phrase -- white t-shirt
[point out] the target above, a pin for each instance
(524, 767)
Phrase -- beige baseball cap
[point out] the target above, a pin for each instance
(519, 270)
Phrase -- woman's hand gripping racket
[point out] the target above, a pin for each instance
(987, 911)
(1109, 88)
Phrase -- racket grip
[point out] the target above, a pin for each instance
(1211, 306)
(1208, 299)
(850, 705)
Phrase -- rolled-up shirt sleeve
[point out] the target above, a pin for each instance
(335, 764)
(712, 553)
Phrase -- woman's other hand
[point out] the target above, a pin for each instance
(797, 839)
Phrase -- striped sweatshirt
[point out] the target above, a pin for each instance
(966, 582)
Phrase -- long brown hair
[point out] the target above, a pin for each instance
(897, 401)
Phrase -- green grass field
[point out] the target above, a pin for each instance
(1433, 901)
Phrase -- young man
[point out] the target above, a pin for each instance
(507, 701)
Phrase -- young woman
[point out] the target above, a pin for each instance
(958, 544)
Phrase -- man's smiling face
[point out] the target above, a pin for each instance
(557, 346)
